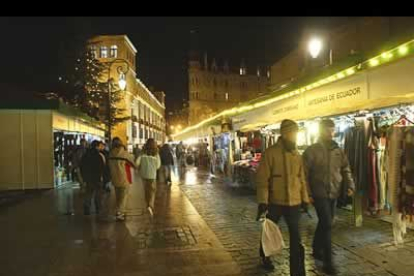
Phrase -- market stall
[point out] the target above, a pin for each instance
(39, 137)
(366, 101)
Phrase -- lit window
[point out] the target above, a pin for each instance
(242, 71)
(258, 72)
(268, 74)
(93, 51)
(104, 52)
(227, 96)
(114, 51)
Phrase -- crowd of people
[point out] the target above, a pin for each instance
(286, 182)
(97, 168)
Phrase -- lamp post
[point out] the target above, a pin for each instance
(315, 46)
(122, 71)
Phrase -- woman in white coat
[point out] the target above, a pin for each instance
(148, 163)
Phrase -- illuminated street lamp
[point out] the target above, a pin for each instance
(315, 46)
(122, 71)
(122, 81)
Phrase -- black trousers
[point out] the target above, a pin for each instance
(93, 190)
(291, 215)
(322, 241)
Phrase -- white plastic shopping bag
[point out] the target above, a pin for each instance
(272, 240)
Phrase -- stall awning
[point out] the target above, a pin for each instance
(372, 89)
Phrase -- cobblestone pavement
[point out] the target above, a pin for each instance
(230, 212)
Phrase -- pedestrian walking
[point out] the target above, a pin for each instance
(148, 163)
(92, 169)
(106, 184)
(327, 169)
(181, 162)
(136, 151)
(77, 156)
(167, 162)
(118, 158)
(281, 190)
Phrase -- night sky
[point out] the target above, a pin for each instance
(31, 45)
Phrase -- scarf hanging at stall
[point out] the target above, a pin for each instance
(349, 149)
(361, 152)
(383, 203)
(407, 173)
(374, 167)
(394, 178)
(355, 148)
(400, 167)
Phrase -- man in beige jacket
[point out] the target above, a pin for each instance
(281, 190)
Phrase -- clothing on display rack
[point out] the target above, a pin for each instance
(374, 166)
(400, 169)
(365, 149)
(407, 172)
(356, 150)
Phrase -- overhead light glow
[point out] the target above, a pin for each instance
(403, 50)
(373, 62)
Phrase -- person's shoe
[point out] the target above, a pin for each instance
(150, 211)
(267, 264)
(329, 270)
(120, 216)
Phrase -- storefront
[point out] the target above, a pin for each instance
(67, 134)
(369, 107)
(363, 100)
(38, 139)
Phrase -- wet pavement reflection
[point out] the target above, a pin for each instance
(203, 225)
(40, 238)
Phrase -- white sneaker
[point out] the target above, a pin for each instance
(150, 211)
(120, 217)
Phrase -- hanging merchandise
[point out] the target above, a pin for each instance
(374, 156)
(383, 202)
(406, 197)
(356, 151)
(400, 169)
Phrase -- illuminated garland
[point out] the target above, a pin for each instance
(398, 52)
